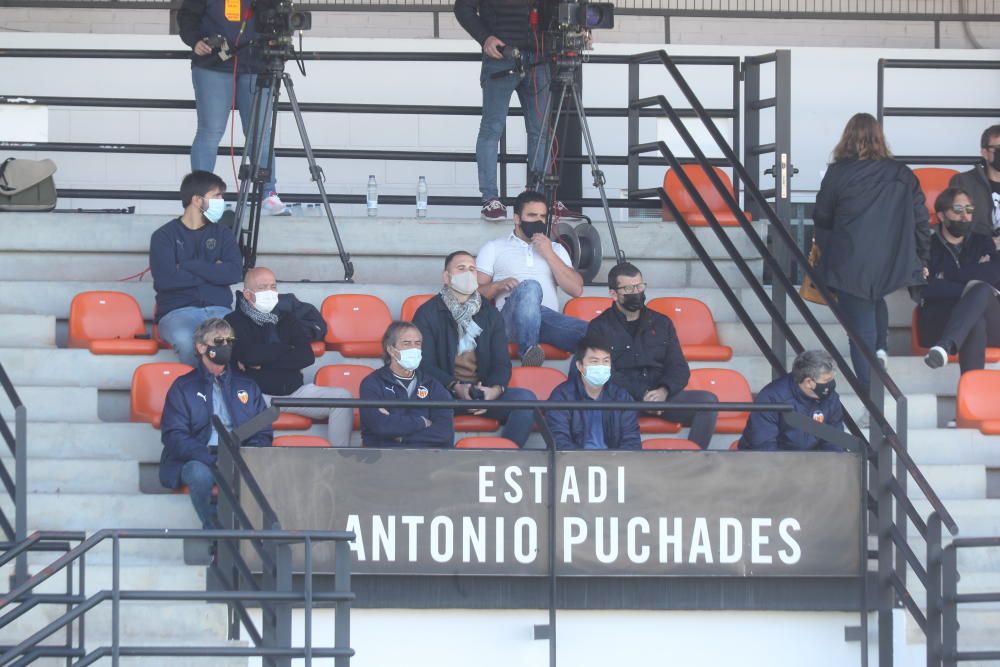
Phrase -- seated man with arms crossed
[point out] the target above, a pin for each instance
(274, 333)
(520, 272)
(399, 379)
(646, 355)
(193, 262)
(189, 438)
(465, 347)
(593, 429)
(809, 388)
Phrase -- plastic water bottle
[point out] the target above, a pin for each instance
(372, 197)
(421, 197)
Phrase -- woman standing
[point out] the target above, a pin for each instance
(876, 236)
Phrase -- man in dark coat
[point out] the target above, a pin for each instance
(593, 429)
(959, 311)
(189, 438)
(982, 184)
(465, 347)
(810, 390)
(646, 356)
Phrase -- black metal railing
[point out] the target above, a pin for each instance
(890, 504)
(15, 487)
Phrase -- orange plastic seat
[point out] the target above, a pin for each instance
(108, 323)
(300, 441)
(411, 305)
(345, 376)
(164, 345)
(933, 180)
(539, 379)
(318, 348)
(976, 402)
(184, 490)
(674, 444)
(651, 424)
(695, 328)
(475, 424)
(286, 421)
(731, 387)
(150, 383)
(992, 353)
(586, 307)
(484, 442)
(685, 204)
(551, 353)
(355, 324)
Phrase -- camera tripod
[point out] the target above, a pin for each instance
(260, 137)
(562, 88)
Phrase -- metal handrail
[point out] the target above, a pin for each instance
(16, 488)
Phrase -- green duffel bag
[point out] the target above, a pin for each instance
(27, 185)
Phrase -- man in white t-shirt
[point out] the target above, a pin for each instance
(520, 272)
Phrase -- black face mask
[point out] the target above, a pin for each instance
(633, 302)
(958, 228)
(825, 389)
(220, 354)
(529, 229)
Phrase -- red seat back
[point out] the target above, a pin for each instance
(730, 387)
(539, 379)
(355, 324)
(933, 180)
(586, 307)
(112, 320)
(976, 401)
(411, 305)
(695, 328)
(675, 444)
(300, 441)
(345, 376)
(685, 204)
(485, 442)
(150, 383)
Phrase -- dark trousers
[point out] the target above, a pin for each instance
(862, 316)
(702, 422)
(974, 324)
(881, 325)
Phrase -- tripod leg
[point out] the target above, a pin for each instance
(553, 109)
(316, 173)
(595, 170)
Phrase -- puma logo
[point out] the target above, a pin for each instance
(202, 396)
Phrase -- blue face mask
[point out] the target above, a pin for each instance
(597, 375)
(213, 212)
(410, 358)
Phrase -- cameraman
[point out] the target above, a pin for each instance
(496, 24)
(221, 60)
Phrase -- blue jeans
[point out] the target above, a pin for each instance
(528, 322)
(533, 92)
(516, 423)
(198, 478)
(862, 316)
(177, 328)
(213, 99)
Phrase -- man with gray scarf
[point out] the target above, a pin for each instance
(465, 347)
(274, 333)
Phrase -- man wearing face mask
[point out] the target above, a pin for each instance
(520, 273)
(593, 429)
(959, 311)
(401, 379)
(465, 347)
(193, 262)
(190, 441)
(647, 360)
(810, 390)
(274, 333)
(982, 184)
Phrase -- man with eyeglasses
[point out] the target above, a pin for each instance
(982, 183)
(646, 356)
(959, 311)
(190, 441)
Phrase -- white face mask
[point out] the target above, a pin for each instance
(265, 301)
(464, 282)
(410, 358)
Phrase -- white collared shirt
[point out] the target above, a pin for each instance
(510, 257)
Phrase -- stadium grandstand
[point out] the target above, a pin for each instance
(344, 403)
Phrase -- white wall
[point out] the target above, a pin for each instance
(828, 86)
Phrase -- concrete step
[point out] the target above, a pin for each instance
(83, 476)
(54, 403)
(99, 576)
(27, 331)
(953, 482)
(137, 443)
(974, 517)
(90, 512)
(953, 446)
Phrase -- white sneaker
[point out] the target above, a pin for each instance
(883, 358)
(273, 205)
(936, 357)
(864, 420)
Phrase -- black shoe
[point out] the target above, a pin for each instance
(533, 356)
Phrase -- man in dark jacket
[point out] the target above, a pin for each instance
(193, 262)
(401, 380)
(982, 184)
(189, 438)
(465, 347)
(646, 355)
(274, 335)
(496, 24)
(593, 429)
(959, 311)
(809, 389)
(219, 33)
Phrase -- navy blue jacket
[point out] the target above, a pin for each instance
(440, 332)
(193, 267)
(198, 19)
(569, 427)
(187, 419)
(767, 431)
(405, 427)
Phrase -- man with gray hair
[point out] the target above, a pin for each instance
(809, 389)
